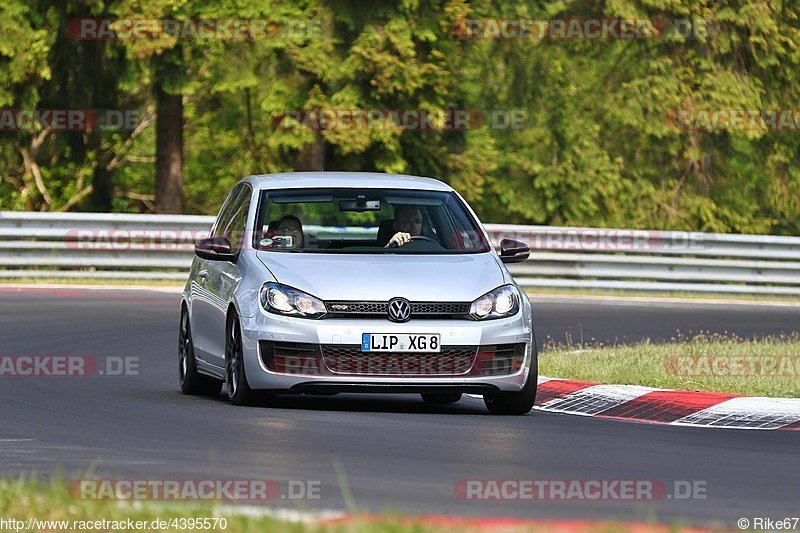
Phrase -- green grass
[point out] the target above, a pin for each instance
(25, 498)
(22, 499)
(686, 364)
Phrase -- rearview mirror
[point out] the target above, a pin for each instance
(214, 249)
(512, 251)
(359, 205)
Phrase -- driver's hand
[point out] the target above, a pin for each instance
(399, 239)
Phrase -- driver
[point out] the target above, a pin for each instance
(407, 224)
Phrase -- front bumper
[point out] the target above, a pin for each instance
(268, 327)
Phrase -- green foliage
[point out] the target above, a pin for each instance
(599, 145)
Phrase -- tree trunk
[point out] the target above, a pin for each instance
(169, 151)
(312, 156)
(102, 194)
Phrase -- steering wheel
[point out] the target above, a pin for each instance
(417, 238)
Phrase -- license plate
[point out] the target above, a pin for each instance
(401, 342)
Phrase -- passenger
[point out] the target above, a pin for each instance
(407, 224)
(290, 226)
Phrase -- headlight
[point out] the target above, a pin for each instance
(499, 303)
(283, 300)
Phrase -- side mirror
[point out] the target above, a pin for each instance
(214, 249)
(512, 251)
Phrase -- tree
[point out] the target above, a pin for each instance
(169, 136)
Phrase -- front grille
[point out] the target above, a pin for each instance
(436, 308)
(330, 359)
(357, 308)
(500, 359)
(419, 310)
(349, 359)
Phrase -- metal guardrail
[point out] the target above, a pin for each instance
(99, 245)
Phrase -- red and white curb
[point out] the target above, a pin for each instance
(664, 406)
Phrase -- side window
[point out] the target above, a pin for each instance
(235, 228)
(224, 217)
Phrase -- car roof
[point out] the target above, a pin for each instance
(367, 180)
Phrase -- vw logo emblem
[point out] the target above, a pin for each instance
(399, 310)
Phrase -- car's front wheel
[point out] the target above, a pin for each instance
(191, 381)
(239, 390)
(516, 403)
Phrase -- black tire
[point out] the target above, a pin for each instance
(516, 403)
(239, 391)
(191, 381)
(440, 398)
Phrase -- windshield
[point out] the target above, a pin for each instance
(366, 221)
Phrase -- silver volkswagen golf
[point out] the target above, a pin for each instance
(328, 282)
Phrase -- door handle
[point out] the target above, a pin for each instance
(203, 275)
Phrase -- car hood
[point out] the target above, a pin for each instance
(380, 277)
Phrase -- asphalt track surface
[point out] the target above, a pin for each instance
(392, 453)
